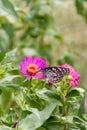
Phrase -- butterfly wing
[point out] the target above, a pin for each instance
(55, 74)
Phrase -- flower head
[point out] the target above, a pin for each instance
(31, 67)
(75, 77)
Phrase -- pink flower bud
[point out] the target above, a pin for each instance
(74, 81)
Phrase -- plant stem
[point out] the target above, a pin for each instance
(65, 127)
(64, 111)
(20, 113)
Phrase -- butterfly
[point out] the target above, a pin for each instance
(55, 74)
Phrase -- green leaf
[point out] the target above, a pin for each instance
(1, 112)
(34, 121)
(41, 128)
(79, 5)
(8, 62)
(4, 40)
(8, 78)
(80, 122)
(9, 28)
(5, 128)
(8, 7)
(54, 123)
(84, 117)
(10, 118)
(82, 109)
(74, 101)
(73, 127)
(20, 98)
(49, 96)
(75, 92)
(9, 56)
(2, 70)
(5, 98)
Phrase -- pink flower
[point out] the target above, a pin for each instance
(31, 67)
(75, 76)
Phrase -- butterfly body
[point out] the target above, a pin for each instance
(55, 74)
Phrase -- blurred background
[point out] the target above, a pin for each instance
(55, 30)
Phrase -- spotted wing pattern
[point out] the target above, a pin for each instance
(55, 74)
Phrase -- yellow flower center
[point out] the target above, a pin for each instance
(32, 69)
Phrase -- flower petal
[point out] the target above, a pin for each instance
(28, 77)
(27, 60)
(75, 76)
(40, 76)
(22, 68)
(40, 62)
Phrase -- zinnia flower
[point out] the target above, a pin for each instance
(31, 67)
(75, 77)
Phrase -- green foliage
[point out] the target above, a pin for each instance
(32, 104)
(5, 128)
(37, 118)
(81, 9)
(8, 7)
(40, 107)
(6, 65)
